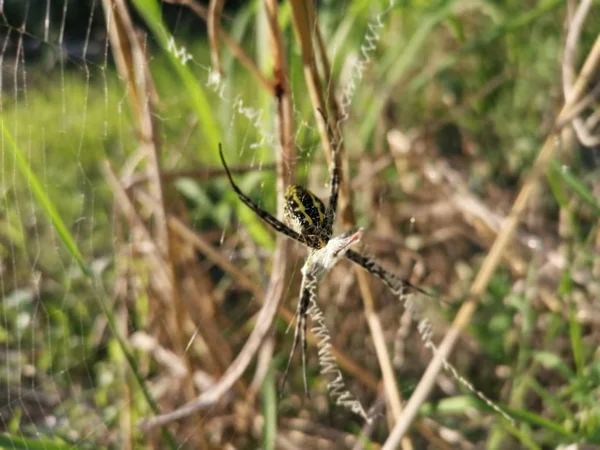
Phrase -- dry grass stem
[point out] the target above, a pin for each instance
(133, 67)
(263, 324)
(568, 71)
(215, 8)
(275, 290)
(218, 347)
(285, 110)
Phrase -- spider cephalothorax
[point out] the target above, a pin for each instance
(305, 213)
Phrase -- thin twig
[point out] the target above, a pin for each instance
(215, 8)
(134, 67)
(242, 361)
(568, 70)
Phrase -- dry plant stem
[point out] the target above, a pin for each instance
(319, 430)
(242, 361)
(275, 290)
(218, 348)
(207, 173)
(117, 25)
(385, 362)
(199, 174)
(568, 67)
(284, 103)
(491, 262)
(210, 336)
(235, 48)
(345, 201)
(196, 240)
(304, 24)
(263, 324)
(263, 363)
(133, 67)
(215, 8)
(245, 60)
(125, 204)
(568, 70)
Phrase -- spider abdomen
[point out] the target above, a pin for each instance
(305, 213)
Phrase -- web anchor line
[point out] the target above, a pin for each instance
(425, 330)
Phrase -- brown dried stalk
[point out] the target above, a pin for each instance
(568, 71)
(215, 8)
(132, 66)
(275, 290)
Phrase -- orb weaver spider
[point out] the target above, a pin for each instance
(308, 221)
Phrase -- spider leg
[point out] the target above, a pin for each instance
(393, 281)
(276, 224)
(294, 345)
(334, 175)
(299, 335)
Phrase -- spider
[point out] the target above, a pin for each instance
(308, 221)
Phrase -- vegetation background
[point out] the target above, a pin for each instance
(132, 277)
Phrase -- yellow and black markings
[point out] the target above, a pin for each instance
(305, 213)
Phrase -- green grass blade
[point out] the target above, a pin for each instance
(555, 406)
(553, 361)
(269, 406)
(576, 339)
(539, 421)
(45, 202)
(524, 438)
(150, 11)
(575, 185)
(17, 442)
(556, 186)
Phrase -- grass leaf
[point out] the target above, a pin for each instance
(45, 202)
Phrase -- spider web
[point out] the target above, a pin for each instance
(62, 105)
(62, 373)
